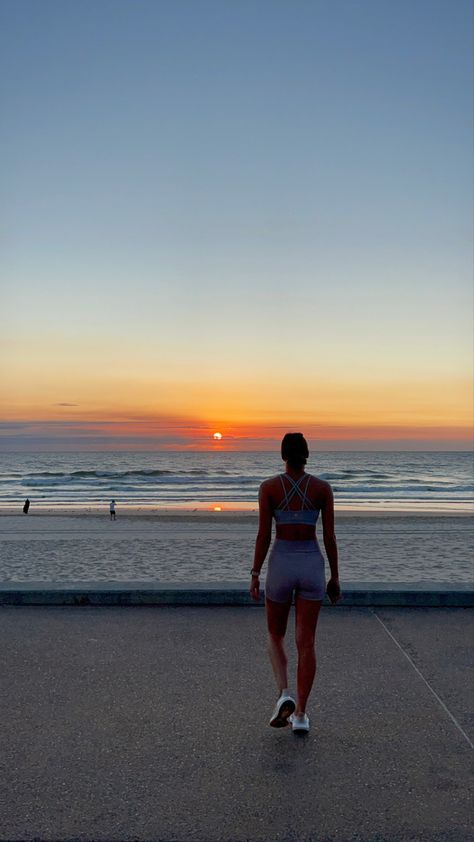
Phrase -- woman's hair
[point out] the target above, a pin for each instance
(294, 450)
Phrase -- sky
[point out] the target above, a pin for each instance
(246, 217)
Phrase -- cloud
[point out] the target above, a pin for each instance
(65, 404)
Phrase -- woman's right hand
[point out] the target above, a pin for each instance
(333, 590)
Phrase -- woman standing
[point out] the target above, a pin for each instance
(295, 564)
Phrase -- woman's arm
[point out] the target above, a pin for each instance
(330, 545)
(264, 537)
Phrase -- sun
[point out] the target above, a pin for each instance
(217, 436)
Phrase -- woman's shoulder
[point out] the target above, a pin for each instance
(321, 484)
(271, 481)
(271, 487)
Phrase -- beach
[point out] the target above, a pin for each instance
(146, 544)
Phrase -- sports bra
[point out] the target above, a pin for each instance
(305, 515)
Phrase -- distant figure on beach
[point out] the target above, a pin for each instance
(112, 510)
(26, 506)
(295, 565)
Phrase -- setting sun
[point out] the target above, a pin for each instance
(217, 436)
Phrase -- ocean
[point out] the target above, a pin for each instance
(409, 481)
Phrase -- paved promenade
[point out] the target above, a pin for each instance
(150, 724)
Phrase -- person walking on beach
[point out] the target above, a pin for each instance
(295, 565)
(112, 510)
(26, 506)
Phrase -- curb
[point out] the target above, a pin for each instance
(403, 594)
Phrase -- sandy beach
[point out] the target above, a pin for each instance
(151, 545)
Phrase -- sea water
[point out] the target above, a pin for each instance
(372, 480)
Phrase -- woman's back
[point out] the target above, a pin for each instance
(295, 502)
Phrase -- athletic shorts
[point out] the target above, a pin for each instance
(295, 566)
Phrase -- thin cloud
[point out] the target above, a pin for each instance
(65, 404)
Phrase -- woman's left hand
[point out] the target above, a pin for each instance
(333, 590)
(255, 588)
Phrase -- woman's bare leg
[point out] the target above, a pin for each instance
(307, 613)
(277, 619)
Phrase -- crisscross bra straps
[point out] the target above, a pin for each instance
(305, 514)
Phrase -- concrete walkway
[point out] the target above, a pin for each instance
(151, 724)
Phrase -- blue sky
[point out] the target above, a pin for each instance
(237, 186)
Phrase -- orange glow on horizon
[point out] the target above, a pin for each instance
(164, 433)
(251, 415)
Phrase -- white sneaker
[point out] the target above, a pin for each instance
(299, 722)
(283, 709)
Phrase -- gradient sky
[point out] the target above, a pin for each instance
(244, 216)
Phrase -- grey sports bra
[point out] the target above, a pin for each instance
(303, 515)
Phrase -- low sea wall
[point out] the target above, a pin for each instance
(422, 594)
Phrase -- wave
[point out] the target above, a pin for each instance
(122, 483)
(98, 474)
(407, 488)
(116, 474)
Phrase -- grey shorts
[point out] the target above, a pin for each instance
(295, 566)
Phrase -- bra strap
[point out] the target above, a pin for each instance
(306, 501)
(295, 489)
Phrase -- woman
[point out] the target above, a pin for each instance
(295, 564)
